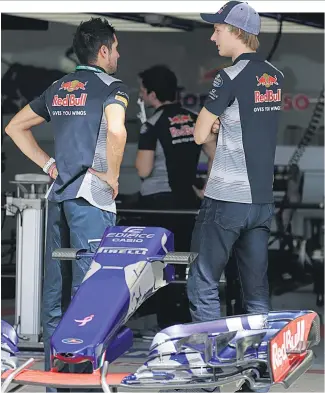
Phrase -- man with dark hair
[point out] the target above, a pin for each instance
(167, 154)
(87, 112)
(166, 161)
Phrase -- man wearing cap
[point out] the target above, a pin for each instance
(237, 208)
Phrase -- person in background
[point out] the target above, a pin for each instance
(167, 156)
(166, 161)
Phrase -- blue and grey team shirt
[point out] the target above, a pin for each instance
(169, 133)
(247, 98)
(75, 105)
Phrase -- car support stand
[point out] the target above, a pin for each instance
(29, 207)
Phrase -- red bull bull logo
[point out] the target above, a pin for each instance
(73, 86)
(70, 100)
(267, 80)
(269, 96)
(180, 119)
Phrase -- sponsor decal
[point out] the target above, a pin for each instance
(122, 93)
(288, 345)
(70, 100)
(269, 96)
(122, 250)
(122, 99)
(73, 86)
(267, 80)
(72, 341)
(297, 102)
(212, 94)
(180, 119)
(218, 81)
(134, 229)
(130, 235)
(183, 131)
(83, 322)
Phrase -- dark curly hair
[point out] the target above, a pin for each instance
(89, 38)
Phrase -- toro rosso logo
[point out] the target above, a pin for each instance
(73, 85)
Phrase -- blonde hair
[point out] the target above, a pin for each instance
(248, 39)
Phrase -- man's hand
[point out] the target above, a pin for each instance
(215, 126)
(111, 181)
(199, 193)
(53, 172)
(203, 127)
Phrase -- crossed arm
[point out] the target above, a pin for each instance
(206, 127)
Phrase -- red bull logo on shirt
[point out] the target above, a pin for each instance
(73, 86)
(70, 100)
(180, 119)
(267, 80)
(269, 96)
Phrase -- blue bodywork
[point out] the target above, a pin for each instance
(127, 269)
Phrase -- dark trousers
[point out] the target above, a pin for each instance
(222, 227)
(170, 303)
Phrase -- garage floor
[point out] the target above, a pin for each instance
(303, 298)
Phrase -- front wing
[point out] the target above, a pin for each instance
(260, 358)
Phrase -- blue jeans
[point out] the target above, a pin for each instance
(224, 227)
(70, 224)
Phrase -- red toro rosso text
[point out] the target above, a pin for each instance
(70, 100)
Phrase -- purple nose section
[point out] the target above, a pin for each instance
(121, 277)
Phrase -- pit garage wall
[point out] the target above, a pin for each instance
(192, 57)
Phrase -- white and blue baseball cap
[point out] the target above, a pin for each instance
(238, 14)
